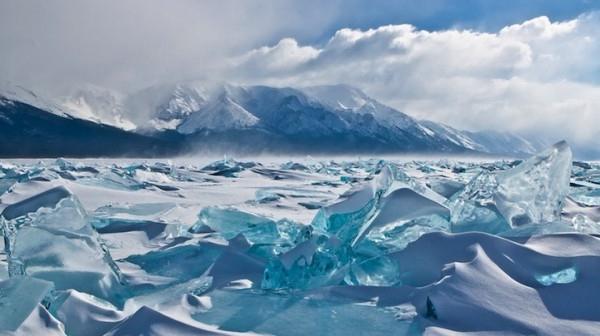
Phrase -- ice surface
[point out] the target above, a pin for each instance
(353, 246)
(276, 314)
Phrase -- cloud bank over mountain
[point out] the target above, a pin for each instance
(476, 71)
(537, 76)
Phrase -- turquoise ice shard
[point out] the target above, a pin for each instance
(534, 192)
(404, 215)
(180, 262)
(230, 222)
(403, 206)
(398, 235)
(402, 179)
(278, 271)
(236, 264)
(18, 298)
(564, 276)
(312, 263)
(49, 237)
(109, 216)
(6, 184)
(377, 271)
(531, 193)
(266, 196)
(327, 257)
(584, 224)
(346, 218)
(445, 186)
(228, 167)
(292, 232)
(290, 165)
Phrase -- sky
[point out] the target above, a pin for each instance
(530, 67)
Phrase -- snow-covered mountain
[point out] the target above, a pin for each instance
(219, 115)
(99, 105)
(29, 131)
(18, 93)
(487, 141)
(165, 106)
(329, 118)
(327, 112)
(344, 97)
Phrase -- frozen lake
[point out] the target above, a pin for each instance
(296, 246)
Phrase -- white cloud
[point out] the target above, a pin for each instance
(127, 45)
(279, 59)
(537, 77)
(539, 28)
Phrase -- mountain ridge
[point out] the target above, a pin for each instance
(327, 118)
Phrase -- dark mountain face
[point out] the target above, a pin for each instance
(26, 131)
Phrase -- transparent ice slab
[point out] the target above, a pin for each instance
(18, 298)
(181, 263)
(48, 236)
(230, 222)
(346, 218)
(403, 206)
(532, 193)
(396, 236)
(474, 209)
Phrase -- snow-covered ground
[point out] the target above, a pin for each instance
(300, 247)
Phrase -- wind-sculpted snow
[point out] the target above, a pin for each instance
(377, 247)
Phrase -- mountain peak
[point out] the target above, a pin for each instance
(339, 96)
(220, 115)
